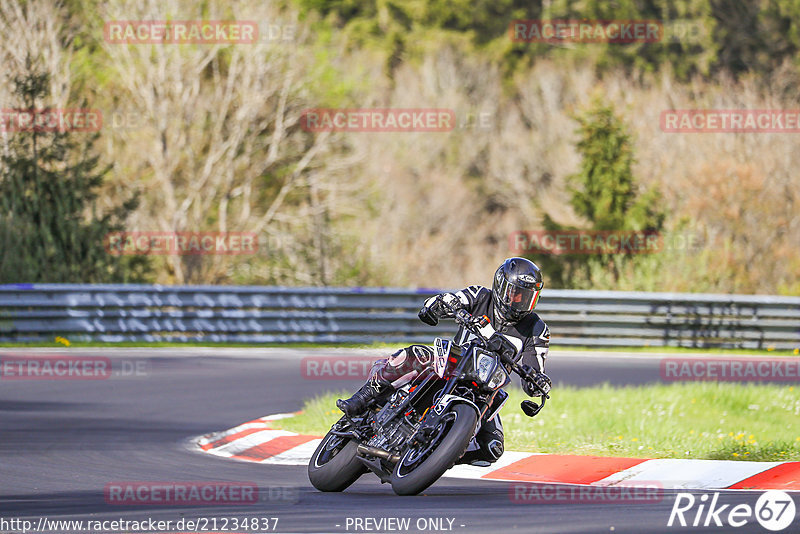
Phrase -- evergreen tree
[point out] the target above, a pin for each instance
(606, 194)
(604, 191)
(50, 228)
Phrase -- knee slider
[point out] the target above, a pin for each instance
(422, 353)
(495, 448)
(398, 358)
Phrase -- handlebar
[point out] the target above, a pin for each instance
(470, 322)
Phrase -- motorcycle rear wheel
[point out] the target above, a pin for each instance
(334, 466)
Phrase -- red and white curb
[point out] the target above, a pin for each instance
(256, 441)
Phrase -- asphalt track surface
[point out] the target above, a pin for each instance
(63, 441)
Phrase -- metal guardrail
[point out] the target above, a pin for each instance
(253, 314)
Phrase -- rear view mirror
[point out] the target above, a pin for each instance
(530, 408)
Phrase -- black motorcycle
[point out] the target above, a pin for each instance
(423, 428)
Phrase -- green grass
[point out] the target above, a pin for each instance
(718, 421)
(317, 415)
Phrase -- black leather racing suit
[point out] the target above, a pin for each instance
(405, 364)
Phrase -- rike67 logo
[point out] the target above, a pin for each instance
(774, 510)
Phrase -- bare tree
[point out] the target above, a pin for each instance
(220, 147)
(34, 37)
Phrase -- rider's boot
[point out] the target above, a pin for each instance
(375, 386)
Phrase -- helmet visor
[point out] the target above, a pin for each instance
(517, 298)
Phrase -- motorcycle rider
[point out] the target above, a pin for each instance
(509, 306)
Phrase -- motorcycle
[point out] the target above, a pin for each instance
(424, 427)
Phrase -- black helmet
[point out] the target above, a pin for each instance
(516, 288)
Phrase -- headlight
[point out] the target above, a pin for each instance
(484, 367)
(498, 378)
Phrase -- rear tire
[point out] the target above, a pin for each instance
(334, 467)
(449, 450)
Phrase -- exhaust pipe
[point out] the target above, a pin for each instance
(380, 453)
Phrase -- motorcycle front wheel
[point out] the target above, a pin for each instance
(422, 464)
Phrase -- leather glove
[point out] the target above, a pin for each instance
(427, 316)
(537, 384)
(453, 301)
(431, 314)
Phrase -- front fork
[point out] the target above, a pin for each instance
(485, 410)
(434, 415)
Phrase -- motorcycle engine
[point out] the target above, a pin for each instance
(391, 435)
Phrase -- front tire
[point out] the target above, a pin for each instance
(334, 465)
(410, 479)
